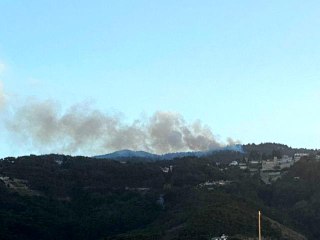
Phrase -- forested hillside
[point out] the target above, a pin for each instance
(64, 197)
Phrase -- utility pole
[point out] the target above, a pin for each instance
(259, 217)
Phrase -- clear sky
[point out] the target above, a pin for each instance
(249, 70)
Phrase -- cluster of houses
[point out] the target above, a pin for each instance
(223, 237)
(270, 170)
(211, 184)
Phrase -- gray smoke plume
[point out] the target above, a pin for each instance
(83, 129)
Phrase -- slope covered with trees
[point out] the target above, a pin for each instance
(64, 197)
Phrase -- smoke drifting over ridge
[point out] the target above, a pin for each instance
(83, 129)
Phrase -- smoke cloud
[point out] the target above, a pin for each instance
(82, 129)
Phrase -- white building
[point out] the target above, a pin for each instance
(275, 164)
(285, 162)
(243, 166)
(233, 163)
(268, 165)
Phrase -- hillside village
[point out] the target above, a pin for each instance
(271, 169)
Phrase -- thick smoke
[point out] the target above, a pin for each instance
(83, 129)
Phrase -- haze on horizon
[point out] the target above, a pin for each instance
(94, 77)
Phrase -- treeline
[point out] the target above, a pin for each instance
(266, 151)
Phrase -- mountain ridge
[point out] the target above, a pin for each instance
(126, 153)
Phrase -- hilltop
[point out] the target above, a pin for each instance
(146, 156)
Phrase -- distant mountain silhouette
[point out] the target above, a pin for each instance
(168, 156)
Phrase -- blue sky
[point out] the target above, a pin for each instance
(247, 69)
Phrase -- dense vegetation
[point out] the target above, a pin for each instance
(85, 198)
